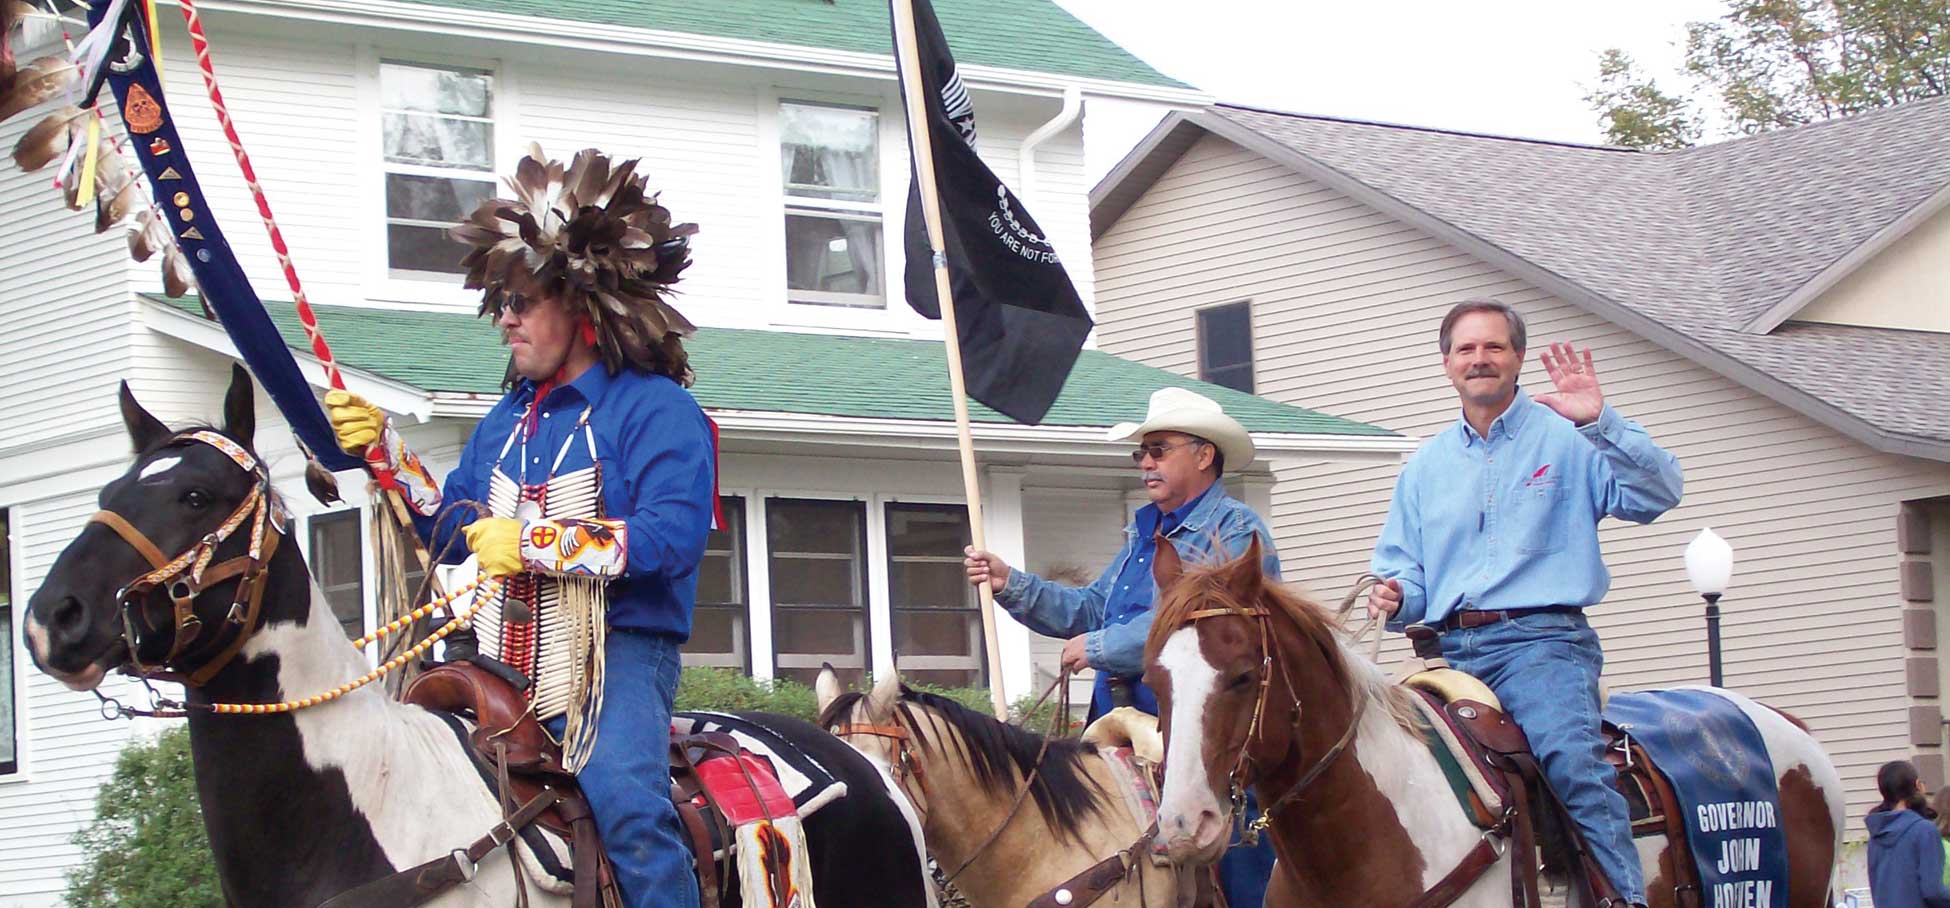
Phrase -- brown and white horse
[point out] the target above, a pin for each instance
(1361, 813)
(965, 772)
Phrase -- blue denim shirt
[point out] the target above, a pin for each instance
(654, 446)
(1511, 521)
(1114, 613)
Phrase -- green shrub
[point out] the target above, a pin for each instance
(147, 846)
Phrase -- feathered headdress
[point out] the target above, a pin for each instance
(591, 237)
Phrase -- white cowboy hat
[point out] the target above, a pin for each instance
(1179, 410)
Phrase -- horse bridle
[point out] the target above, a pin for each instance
(1241, 776)
(185, 577)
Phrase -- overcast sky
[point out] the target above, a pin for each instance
(1507, 67)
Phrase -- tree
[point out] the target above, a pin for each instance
(1635, 113)
(1767, 64)
(147, 845)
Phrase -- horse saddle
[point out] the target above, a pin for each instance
(1493, 774)
(526, 763)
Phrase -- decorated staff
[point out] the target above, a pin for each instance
(597, 470)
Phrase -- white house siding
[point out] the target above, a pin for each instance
(1346, 302)
(304, 98)
(66, 748)
(1071, 534)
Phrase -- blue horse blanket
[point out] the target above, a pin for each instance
(1720, 769)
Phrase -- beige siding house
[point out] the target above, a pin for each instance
(1775, 310)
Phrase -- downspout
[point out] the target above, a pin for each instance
(1026, 154)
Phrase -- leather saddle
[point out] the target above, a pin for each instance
(525, 762)
(1495, 776)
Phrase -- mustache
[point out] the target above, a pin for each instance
(1149, 475)
(1481, 372)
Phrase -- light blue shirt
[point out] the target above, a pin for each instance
(1511, 521)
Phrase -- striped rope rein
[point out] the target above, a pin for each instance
(201, 46)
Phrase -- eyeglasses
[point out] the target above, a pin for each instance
(1158, 451)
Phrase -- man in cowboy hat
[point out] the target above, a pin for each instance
(1492, 541)
(1185, 444)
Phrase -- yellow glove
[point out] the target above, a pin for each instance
(496, 542)
(355, 421)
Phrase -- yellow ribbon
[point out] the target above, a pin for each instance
(85, 193)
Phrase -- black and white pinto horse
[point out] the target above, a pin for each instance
(303, 805)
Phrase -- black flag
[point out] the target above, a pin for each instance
(1019, 317)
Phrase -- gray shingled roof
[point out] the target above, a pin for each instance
(1688, 247)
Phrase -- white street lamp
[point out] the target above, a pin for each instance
(1709, 563)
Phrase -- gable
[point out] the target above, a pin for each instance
(1906, 286)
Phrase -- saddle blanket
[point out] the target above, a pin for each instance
(1720, 770)
(809, 784)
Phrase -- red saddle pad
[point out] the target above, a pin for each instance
(745, 788)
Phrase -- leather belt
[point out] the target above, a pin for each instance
(1472, 618)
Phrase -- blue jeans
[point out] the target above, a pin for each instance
(1545, 670)
(627, 778)
(1245, 872)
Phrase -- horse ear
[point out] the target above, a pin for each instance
(1165, 564)
(886, 692)
(1244, 576)
(827, 686)
(239, 407)
(145, 430)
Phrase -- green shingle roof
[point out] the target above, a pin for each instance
(773, 371)
(1034, 35)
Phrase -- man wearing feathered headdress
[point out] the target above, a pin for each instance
(595, 474)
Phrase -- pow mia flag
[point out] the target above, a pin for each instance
(1020, 320)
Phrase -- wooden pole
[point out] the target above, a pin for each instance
(908, 59)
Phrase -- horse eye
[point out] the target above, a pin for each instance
(197, 499)
(1240, 680)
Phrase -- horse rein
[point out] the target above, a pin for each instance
(1239, 779)
(185, 577)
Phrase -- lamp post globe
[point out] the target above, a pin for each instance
(1709, 564)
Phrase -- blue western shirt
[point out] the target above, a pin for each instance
(1511, 521)
(654, 446)
(1114, 613)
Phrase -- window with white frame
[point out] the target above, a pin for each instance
(937, 622)
(818, 568)
(829, 157)
(438, 137)
(337, 566)
(720, 632)
(9, 722)
(1225, 346)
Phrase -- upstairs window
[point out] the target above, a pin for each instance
(1225, 346)
(830, 161)
(438, 144)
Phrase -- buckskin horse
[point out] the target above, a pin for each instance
(305, 803)
(1255, 687)
(1004, 845)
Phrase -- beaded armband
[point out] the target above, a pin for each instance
(589, 548)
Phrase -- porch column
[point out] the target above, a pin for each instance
(1002, 522)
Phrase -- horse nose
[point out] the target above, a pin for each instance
(67, 621)
(1192, 836)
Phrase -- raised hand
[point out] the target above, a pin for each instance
(1577, 397)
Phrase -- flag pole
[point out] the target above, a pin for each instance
(908, 61)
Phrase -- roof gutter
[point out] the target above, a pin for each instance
(673, 45)
(1026, 155)
(1085, 441)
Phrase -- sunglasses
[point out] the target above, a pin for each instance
(1158, 451)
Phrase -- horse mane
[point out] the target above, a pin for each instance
(999, 754)
(1209, 587)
